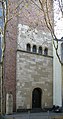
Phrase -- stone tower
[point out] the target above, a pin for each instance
(34, 61)
(34, 65)
(28, 57)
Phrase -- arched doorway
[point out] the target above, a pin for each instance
(36, 98)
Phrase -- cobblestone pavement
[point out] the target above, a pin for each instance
(35, 116)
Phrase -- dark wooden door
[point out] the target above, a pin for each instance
(36, 98)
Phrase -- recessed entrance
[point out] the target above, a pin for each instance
(36, 98)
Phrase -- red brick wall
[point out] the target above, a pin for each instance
(10, 57)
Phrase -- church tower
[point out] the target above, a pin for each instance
(28, 79)
(34, 61)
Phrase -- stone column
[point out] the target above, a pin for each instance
(57, 69)
(57, 81)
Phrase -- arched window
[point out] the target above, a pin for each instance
(40, 50)
(34, 49)
(46, 51)
(62, 52)
(28, 47)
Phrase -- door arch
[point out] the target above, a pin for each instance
(36, 98)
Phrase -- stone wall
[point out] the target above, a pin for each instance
(34, 37)
(33, 71)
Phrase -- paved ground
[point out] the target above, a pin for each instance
(41, 115)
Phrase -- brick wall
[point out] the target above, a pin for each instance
(10, 55)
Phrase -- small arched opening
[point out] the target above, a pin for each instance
(40, 50)
(28, 47)
(36, 98)
(34, 48)
(46, 51)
